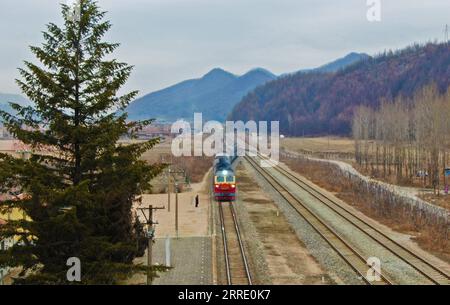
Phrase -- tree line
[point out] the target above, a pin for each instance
(405, 139)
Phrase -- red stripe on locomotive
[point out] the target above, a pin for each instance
(225, 187)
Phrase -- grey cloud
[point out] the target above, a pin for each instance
(172, 40)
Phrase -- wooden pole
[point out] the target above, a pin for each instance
(150, 245)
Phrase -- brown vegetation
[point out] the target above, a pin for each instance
(323, 103)
(406, 141)
(442, 201)
(431, 231)
(320, 144)
(330, 147)
(195, 167)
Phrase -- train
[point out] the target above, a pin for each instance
(224, 179)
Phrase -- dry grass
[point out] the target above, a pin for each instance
(154, 155)
(431, 233)
(195, 167)
(408, 180)
(440, 200)
(319, 145)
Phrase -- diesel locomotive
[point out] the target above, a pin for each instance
(224, 179)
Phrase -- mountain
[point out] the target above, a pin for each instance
(213, 95)
(318, 103)
(336, 65)
(342, 63)
(5, 99)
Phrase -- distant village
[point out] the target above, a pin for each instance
(161, 130)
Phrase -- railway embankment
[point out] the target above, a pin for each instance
(395, 206)
(408, 195)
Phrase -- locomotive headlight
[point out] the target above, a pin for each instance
(233, 185)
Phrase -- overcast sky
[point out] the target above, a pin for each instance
(172, 40)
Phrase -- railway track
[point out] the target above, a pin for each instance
(236, 264)
(348, 253)
(425, 268)
(433, 273)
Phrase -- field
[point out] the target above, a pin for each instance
(319, 145)
(195, 167)
(344, 149)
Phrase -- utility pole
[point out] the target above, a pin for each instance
(150, 236)
(176, 185)
(176, 209)
(168, 172)
(168, 190)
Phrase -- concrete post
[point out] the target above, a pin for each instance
(168, 253)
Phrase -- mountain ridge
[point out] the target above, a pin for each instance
(215, 93)
(212, 95)
(335, 65)
(323, 103)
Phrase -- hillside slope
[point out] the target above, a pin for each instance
(320, 103)
(336, 65)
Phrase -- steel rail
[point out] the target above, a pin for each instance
(241, 245)
(226, 246)
(347, 252)
(440, 277)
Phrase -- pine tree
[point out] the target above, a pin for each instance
(79, 193)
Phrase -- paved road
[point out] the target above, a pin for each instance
(191, 259)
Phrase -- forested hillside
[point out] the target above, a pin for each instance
(322, 103)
